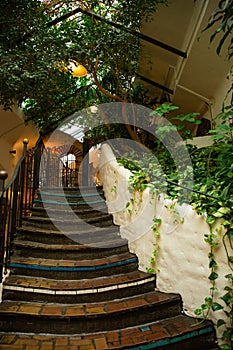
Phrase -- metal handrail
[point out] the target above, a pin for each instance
(20, 163)
(16, 200)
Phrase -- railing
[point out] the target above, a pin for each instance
(55, 173)
(36, 169)
(16, 199)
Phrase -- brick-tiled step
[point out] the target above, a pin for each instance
(70, 251)
(73, 205)
(28, 288)
(59, 211)
(84, 317)
(71, 198)
(74, 269)
(90, 235)
(170, 334)
(75, 192)
(65, 224)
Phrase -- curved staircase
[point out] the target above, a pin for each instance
(74, 285)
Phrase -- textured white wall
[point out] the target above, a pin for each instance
(182, 261)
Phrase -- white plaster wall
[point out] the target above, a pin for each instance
(201, 141)
(182, 261)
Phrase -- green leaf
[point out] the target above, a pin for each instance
(216, 306)
(224, 210)
(227, 334)
(225, 347)
(198, 312)
(228, 288)
(212, 264)
(230, 234)
(210, 220)
(150, 270)
(227, 298)
(213, 276)
(220, 322)
(225, 191)
(208, 300)
(204, 307)
(230, 277)
(222, 42)
(157, 221)
(221, 212)
(226, 223)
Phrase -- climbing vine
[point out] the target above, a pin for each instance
(152, 260)
(212, 196)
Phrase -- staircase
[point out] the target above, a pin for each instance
(82, 289)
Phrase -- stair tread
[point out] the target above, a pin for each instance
(72, 202)
(74, 247)
(84, 210)
(76, 190)
(93, 229)
(68, 194)
(88, 309)
(66, 221)
(80, 286)
(92, 263)
(161, 332)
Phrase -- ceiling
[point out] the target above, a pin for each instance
(192, 83)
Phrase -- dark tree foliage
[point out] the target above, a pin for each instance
(37, 36)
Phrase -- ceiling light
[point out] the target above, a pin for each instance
(74, 67)
(79, 71)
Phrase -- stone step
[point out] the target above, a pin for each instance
(85, 317)
(64, 205)
(78, 197)
(176, 333)
(90, 235)
(28, 288)
(74, 269)
(73, 190)
(69, 224)
(101, 247)
(60, 211)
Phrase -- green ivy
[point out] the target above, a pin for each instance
(212, 196)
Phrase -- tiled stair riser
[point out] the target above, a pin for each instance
(83, 318)
(43, 235)
(69, 251)
(70, 270)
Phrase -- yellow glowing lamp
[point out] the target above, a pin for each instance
(79, 71)
(25, 141)
(76, 69)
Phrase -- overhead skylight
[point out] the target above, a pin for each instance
(73, 130)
